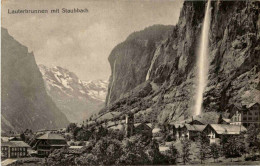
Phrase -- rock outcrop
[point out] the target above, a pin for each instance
(169, 66)
(77, 99)
(24, 101)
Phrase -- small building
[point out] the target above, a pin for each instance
(163, 149)
(74, 150)
(157, 133)
(191, 131)
(143, 128)
(14, 149)
(48, 142)
(216, 131)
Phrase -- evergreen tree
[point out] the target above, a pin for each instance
(71, 127)
(22, 136)
(186, 150)
(214, 151)
(203, 146)
(252, 139)
(173, 155)
(133, 152)
(234, 147)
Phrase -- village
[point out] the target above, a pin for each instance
(39, 145)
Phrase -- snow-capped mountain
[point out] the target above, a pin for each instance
(97, 89)
(76, 98)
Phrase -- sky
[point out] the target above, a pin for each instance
(82, 42)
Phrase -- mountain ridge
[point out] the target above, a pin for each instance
(76, 98)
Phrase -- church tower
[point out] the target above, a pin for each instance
(129, 120)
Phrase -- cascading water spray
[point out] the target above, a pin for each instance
(202, 61)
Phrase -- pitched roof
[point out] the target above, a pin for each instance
(52, 136)
(163, 148)
(117, 127)
(75, 147)
(137, 125)
(5, 139)
(252, 105)
(226, 120)
(156, 130)
(149, 124)
(195, 127)
(15, 144)
(228, 129)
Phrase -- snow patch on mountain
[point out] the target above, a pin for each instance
(77, 98)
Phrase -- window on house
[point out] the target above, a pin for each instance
(249, 118)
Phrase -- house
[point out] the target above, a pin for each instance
(157, 133)
(216, 131)
(246, 116)
(143, 128)
(163, 149)
(74, 150)
(48, 142)
(191, 131)
(14, 149)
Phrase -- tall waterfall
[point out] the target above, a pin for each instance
(155, 56)
(202, 61)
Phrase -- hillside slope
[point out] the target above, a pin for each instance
(25, 103)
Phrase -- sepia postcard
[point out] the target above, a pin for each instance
(130, 82)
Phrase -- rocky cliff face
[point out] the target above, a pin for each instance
(25, 103)
(131, 59)
(170, 69)
(77, 99)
